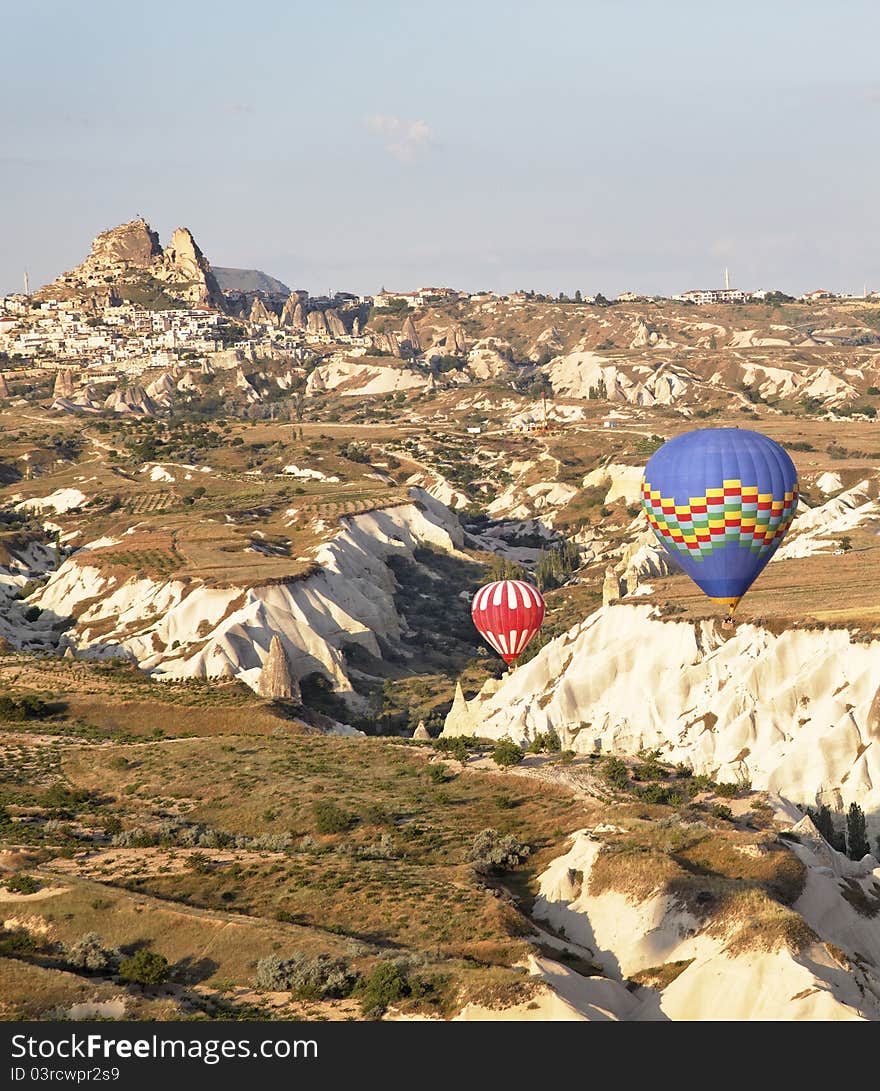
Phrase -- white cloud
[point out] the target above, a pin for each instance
(402, 139)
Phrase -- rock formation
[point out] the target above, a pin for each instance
(134, 400)
(130, 257)
(276, 678)
(351, 600)
(259, 313)
(421, 732)
(162, 389)
(459, 720)
(386, 342)
(790, 712)
(456, 342)
(317, 323)
(489, 357)
(184, 263)
(645, 335)
(64, 386)
(243, 383)
(409, 336)
(133, 245)
(611, 587)
(292, 313)
(335, 325)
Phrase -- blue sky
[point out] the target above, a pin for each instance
(597, 145)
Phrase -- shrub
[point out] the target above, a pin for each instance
(383, 849)
(387, 983)
(89, 953)
(265, 842)
(144, 967)
(22, 884)
(493, 852)
(29, 707)
(659, 793)
(330, 818)
(377, 814)
(615, 772)
(649, 770)
(647, 445)
(137, 838)
(16, 941)
(546, 742)
(439, 774)
(307, 978)
(728, 791)
(507, 753)
(458, 747)
(719, 810)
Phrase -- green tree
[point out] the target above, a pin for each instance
(144, 967)
(856, 835)
(507, 753)
(502, 569)
(386, 984)
(823, 822)
(331, 818)
(556, 565)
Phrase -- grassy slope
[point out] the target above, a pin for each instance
(332, 892)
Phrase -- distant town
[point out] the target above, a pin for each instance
(129, 338)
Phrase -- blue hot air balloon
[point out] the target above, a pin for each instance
(720, 501)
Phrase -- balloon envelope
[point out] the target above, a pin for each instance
(507, 614)
(720, 501)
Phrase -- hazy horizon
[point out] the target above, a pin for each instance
(592, 147)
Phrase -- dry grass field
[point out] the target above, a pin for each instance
(355, 849)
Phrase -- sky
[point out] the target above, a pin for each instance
(603, 145)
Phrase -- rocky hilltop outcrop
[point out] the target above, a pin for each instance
(128, 262)
(184, 265)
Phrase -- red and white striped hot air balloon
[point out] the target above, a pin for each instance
(508, 613)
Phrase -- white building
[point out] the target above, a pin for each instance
(703, 296)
